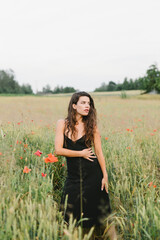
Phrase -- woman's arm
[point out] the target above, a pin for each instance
(99, 153)
(59, 139)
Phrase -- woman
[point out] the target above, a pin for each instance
(86, 184)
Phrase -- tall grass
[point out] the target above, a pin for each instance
(130, 132)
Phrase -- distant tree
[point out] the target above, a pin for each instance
(8, 84)
(69, 90)
(47, 89)
(58, 89)
(131, 84)
(61, 89)
(125, 84)
(111, 86)
(102, 88)
(119, 87)
(152, 79)
(26, 89)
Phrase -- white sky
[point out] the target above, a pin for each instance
(78, 43)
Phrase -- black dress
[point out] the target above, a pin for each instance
(86, 200)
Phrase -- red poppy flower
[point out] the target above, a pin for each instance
(51, 158)
(38, 153)
(155, 130)
(0, 153)
(152, 134)
(26, 169)
(21, 157)
(43, 175)
(154, 186)
(128, 129)
(150, 184)
(62, 164)
(106, 138)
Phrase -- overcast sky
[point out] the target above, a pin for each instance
(78, 43)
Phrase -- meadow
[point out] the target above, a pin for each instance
(31, 178)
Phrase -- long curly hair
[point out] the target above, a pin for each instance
(90, 121)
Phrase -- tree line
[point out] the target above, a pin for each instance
(149, 82)
(8, 84)
(58, 89)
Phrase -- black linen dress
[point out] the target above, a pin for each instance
(83, 187)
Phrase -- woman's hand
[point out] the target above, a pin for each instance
(104, 183)
(88, 154)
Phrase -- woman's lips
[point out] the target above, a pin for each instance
(86, 110)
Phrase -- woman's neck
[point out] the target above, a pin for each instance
(79, 119)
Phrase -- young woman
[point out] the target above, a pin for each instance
(86, 184)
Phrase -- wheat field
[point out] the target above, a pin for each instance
(30, 187)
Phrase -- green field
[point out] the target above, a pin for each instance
(130, 134)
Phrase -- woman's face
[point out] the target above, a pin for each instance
(83, 105)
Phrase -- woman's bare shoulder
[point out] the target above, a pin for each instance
(61, 123)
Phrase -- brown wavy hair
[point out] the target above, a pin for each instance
(90, 121)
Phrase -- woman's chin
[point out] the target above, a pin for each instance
(85, 114)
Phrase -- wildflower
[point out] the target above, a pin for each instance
(129, 130)
(128, 147)
(150, 184)
(51, 158)
(38, 153)
(155, 130)
(18, 123)
(32, 133)
(26, 169)
(25, 145)
(0, 153)
(152, 134)
(21, 158)
(10, 145)
(106, 138)
(62, 164)
(43, 175)
(17, 142)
